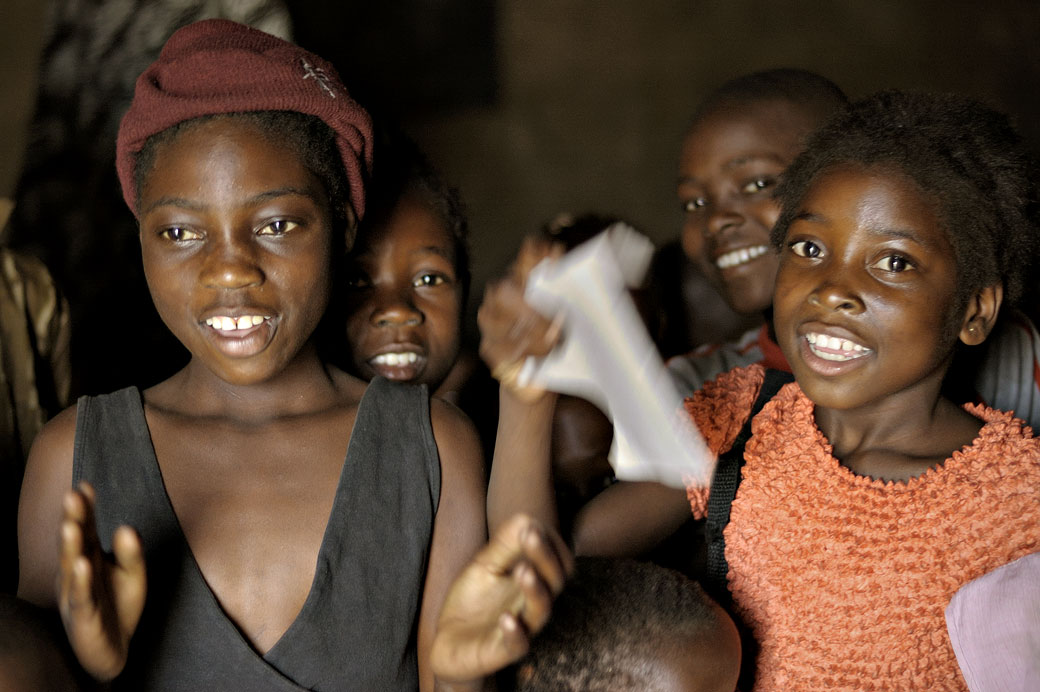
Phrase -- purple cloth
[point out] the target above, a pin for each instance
(994, 625)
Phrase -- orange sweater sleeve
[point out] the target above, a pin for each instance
(719, 410)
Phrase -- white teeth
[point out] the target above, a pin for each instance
(741, 256)
(396, 358)
(836, 349)
(231, 324)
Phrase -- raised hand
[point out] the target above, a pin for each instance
(100, 596)
(502, 598)
(510, 329)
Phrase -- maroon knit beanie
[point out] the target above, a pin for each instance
(217, 66)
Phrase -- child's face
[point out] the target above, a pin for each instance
(866, 295)
(729, 164)
(236, 243)
(405, 305)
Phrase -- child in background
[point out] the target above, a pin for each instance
(407, 282)
(625, 625)
(299, 527)
(742, 138)
(408, 275)
(614, 625)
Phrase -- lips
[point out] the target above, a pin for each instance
(835, 348)
(829, 350)
(739, 256)
(241, 335)
(400, 362)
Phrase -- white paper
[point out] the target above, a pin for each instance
(607, 357)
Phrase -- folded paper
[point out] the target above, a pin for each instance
(607, 357)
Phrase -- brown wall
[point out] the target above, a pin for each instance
(20, 36)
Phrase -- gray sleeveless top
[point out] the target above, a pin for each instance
(357, 628)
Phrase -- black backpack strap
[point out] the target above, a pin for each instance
(724, 488)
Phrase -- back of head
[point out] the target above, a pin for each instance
(963, 154)
(218, 67)
(629, 625)
(813, 92)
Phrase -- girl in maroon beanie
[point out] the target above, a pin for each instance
(260, 520)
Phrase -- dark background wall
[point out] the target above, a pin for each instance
(533, 107)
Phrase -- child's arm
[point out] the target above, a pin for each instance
(629, 519)
(510, 331)
(459, 528)
(502, 598)
(100, 597)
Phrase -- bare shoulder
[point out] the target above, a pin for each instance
(48, 475)
(454, 431)
(460, 526)
(461, 455)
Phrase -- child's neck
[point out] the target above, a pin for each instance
(900, 437)
(305, 387)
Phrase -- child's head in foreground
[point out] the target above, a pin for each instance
(742, 138)
(408, 275)
(243, 158)
(906, 223)
(624, 625)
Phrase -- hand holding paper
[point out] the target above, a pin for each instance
(607, 357)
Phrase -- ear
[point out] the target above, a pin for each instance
(350, 232)
(981, 314)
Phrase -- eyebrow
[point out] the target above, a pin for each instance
(901, 233)
(191, 205)
(737, 162)
(435, 250)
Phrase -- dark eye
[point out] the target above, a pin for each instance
(757, 185)
(694, 205)
(357, 280)
(179, 234)
(428, 280)
(805, 248)
(277, 227)
(894, 264)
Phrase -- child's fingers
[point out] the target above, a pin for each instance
(70, 550)
(524, 539)
(515, 640)
(511, 331)
(547, 553)
(533, 250)
(81, 602)
(78, 507)
(129, 578)
(535, 602)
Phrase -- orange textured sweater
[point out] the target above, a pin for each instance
(844, 579)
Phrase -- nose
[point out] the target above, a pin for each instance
(726, 213)
(230, 264)
(395, 308)
(837, 297)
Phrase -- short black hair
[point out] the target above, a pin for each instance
(610, 624)
(964, 154)
(308, 135)
(403, 170)
(813, 91)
